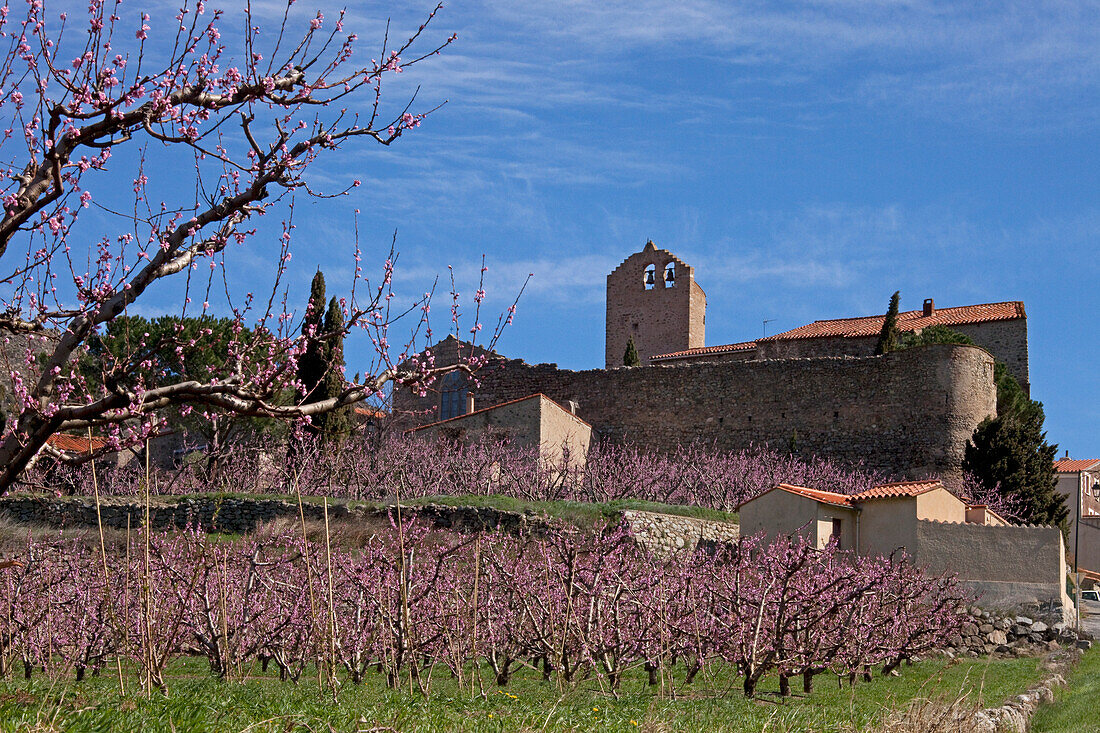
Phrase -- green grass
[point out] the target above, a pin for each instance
(1075, 707)
(198, 703)
(580, 513)
(576, 512)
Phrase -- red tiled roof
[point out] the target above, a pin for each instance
(907, 321)
(487, 409)
(1072, 465)
(723, 349)
(370, 412)
(826, 497)
(883, 491)
(76, 443)
(897, 490)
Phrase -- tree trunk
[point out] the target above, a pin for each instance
(784, 685)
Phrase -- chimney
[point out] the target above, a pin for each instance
(929, 307)
(573, 407)
(469, 402)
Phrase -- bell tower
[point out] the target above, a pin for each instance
(653, 298)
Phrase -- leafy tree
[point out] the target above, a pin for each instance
(135, 353)
(933, 335)
(1010, 453)
(630, 356)
(889, 337)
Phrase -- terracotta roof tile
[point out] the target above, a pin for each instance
(907, 321)
(826, 497)
(723, 349)
(75, 443)
(1071, 465)
(897, 490)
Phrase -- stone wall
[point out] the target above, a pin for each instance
(1007, 341)
(662, 533)
(666, 534)
(986, 633)
(908, 413)
(242, 514)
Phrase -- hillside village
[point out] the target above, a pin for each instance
(235, 496)
(818, 390)
(908, 413)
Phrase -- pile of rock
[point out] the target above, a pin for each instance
(985, 633)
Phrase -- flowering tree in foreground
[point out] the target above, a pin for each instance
(117, 101)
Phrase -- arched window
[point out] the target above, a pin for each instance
(670, 275)
(452, 395)
(649, 278)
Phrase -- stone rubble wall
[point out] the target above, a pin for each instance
(241, 515)
(985, 633)
(859, 410)
(666, 534)
(662, 533)
(1015, 715)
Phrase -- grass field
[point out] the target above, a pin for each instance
(583, 514)
(1075, 708)
(198, 703)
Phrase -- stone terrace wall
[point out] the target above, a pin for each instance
(666, 534)
(908, 413)
(662, 533)
(239, 515)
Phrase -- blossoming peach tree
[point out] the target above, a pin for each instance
(140, 109)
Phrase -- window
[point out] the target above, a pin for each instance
(452, 397)
(835, 535)
(649, 277)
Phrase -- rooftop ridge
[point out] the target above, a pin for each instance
(494, 407)
(866, 326)
(907, 313)
(716, 349)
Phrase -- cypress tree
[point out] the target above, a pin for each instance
(312, 364)
(630, 356)
(889, 336)
(335, 424)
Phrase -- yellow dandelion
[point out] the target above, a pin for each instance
(490, 715)
(633, 722)
(595, 710)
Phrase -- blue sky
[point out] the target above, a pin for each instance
(806, 158)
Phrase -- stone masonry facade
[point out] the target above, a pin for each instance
(667, 315)
(907, 413)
